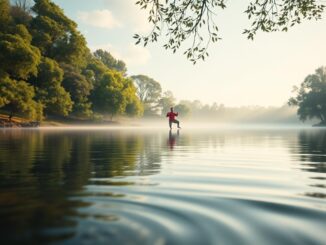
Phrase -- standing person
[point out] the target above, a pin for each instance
(171, 115)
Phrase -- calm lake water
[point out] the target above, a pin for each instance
(138, 186)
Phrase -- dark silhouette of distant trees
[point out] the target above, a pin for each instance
(311, 97)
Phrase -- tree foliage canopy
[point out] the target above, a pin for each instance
(17, 56)
(311, 97)
(195, 20)
(17, 96)
(56, 35)
(108, 96)
(46, 66)
(50, 92)
(149, 92)
(110, 62)
(5, 17)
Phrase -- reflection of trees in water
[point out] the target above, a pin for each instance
(150, 156)
(196, 140)
(113, 155)
(39, 171)
(312, 150)
(121, 155)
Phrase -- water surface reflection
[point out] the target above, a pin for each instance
(157, 187)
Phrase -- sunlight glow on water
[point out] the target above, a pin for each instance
(140, 186)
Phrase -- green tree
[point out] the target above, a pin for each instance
(195, 20)
(50, 93)
(110, 62)
(96, 69)
(149, 92)
(311, 97)
(108, 97)
(79, 88)
(134, 106)
(17, 57)
(21, 12)
(166, 102)
(56, 35)
(23, 32)
(5, 18)
(18, 97)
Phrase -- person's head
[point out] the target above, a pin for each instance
(171, 109)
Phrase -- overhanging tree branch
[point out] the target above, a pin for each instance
(182, 20)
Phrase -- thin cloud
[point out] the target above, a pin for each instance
(132, 55)
(136, 19)
(99, 18)
(137, 55)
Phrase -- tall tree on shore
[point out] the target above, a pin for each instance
(110, 62)
(57, 35)
(79, 87)
(46, 65)
(194, 20)
(115, 94)
(311, 97)
(107, 97)
(149, 92)
(50, 93)
(134, 106)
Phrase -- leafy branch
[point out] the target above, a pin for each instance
(182, 20)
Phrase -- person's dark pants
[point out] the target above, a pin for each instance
(174, 121)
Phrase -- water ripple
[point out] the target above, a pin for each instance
(198, 187)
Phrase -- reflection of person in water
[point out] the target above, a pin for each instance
(171, 115)
(172, 138)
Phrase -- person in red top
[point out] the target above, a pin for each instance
(171, 115)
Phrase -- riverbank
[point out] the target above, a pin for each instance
(16, 122)
(19, 122)
(321, 125)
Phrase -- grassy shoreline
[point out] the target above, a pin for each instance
(17, 122)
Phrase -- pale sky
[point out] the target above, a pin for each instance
(238, 72)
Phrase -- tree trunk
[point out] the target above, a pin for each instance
(323, 119)
(11, 115)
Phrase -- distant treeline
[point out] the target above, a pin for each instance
(245, 114)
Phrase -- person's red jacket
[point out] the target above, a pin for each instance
(171, 115)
